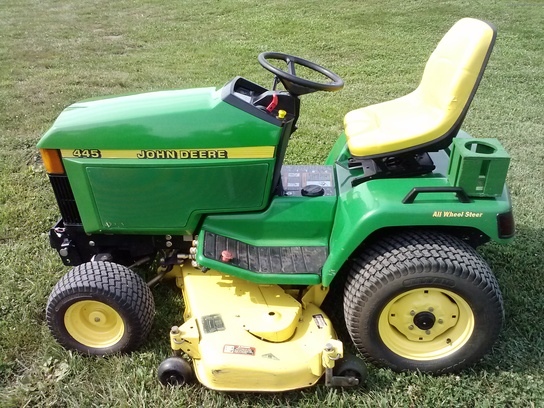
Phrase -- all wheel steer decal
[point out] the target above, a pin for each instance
(461, 214)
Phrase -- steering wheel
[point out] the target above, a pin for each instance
(294, 84)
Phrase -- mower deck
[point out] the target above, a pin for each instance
(243, 336)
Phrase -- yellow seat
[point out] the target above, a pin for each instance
(429, 117)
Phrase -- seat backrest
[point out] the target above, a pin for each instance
(454, 70)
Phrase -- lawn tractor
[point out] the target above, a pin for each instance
(380, 237)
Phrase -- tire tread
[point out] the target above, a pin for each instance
(412, 253)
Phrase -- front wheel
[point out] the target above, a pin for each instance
(100, 308)
(422, 301)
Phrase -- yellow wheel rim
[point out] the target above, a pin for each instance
(94, 324)
(426, 324)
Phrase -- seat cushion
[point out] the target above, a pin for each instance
(429, 114)
(393, 126)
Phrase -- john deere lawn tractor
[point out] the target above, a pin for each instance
(382, 234)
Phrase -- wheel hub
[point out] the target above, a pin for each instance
(422, 315)
(94, 324)
(97, 318)
(424, 320)
(426, 323)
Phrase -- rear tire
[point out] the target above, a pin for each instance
(100, 308)
(422, 301)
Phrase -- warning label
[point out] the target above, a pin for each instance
(234, 349)
(319, 321)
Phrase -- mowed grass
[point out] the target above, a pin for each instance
(53, 53)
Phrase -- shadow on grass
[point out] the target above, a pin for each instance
(169, 309)
(519, 268)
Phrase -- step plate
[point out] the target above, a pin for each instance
(262, 259)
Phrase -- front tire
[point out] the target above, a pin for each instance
(422, 301)
(100, 308)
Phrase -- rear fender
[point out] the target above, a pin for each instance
(378, 204)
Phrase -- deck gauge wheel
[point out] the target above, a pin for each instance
(175, 371)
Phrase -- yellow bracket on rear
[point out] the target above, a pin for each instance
(315, 294)
(186, 338)
(334, 350)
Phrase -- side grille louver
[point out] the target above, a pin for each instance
(65, 199)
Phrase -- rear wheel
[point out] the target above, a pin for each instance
(422, 301)
(100, 308)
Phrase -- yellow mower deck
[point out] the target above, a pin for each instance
(243, 336)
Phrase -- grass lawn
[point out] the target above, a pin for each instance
(56, 52)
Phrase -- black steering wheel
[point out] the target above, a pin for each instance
(294, 84)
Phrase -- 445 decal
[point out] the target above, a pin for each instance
(87, 153)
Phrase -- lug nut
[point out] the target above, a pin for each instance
(411, 327)
(412, 313)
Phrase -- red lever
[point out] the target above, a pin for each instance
(226, 256)
(272, 104)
